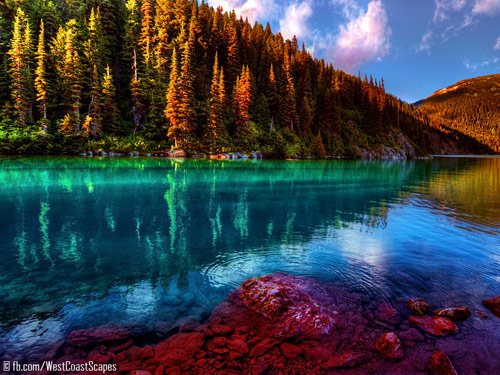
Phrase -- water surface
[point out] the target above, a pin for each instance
(88, 241)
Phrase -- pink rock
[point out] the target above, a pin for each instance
(434, 325)
(418, 306)
(292, 302)
(454, 313)
(493, 304)
(440, 364)
(389, 346)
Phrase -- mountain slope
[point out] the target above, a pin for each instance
(471, 107)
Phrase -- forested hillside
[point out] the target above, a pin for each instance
(470, 106)
(145, 75)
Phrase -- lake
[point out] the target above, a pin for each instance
(92, 241)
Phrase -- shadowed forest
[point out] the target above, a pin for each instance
(148, 75)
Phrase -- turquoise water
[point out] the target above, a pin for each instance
(88, 241)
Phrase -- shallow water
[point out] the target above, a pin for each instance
(88, 241)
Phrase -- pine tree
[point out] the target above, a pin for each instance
(146, 38)
(41, 76)
(172, 111)
(71, 74)
(287, 105)
(93, 123)
(109, 109)
(215, 129)
(242, 102)
(19, 67)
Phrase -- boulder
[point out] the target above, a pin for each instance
(454, 313)
(262, 347)
(389, 346)
(493, 304)
(418, 306)
(294, 304)
(440, 364)
(434, 325)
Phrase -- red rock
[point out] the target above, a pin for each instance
(97, 357)
(493, 304)
(96, 336)
(160, 371)
(454, 313)
(293, 303)
(235, 355)
(140, 372)
(316, 352)
(260, 369)
(220, 341)
(389, 346)
(481, 314)
(262, 347)
(179, 348)
(238, 346)
(243, 329)
(388, 314)
(345, 360)
(418, 306)
(221, 329)
(291, 351)
(411, 334)
(174, 371)
(434, 325)
(121, 347)
(440, 364)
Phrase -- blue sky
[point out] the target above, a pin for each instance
(418, 47)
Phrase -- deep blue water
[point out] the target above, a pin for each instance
(85, 242)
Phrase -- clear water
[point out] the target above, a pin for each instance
(85, 242)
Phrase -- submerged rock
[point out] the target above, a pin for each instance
(345, 360)
(387, 314)
(389, 346)
(418, 306)
(434, 325)
(493, 304)
(98, 335)
(290, 302)
(454, 313)
(440, 364)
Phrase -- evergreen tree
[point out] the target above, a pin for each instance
(109, 109)
(41, 76)
(215, 129)
(19, 67)
(172, 111)
(241, 102)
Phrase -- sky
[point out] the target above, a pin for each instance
(418, 47)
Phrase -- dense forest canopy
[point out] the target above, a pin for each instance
(149, 74)
(470, 106)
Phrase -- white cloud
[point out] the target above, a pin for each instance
(364, 38)
(444, 7)
(425, 43)
(254, 10)
(486, 7)
(478, 65)
(294, 21)
(497, 44)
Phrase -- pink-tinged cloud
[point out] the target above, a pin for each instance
(364, 38)
(294, 21)
(254, 10)
(486, 7)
